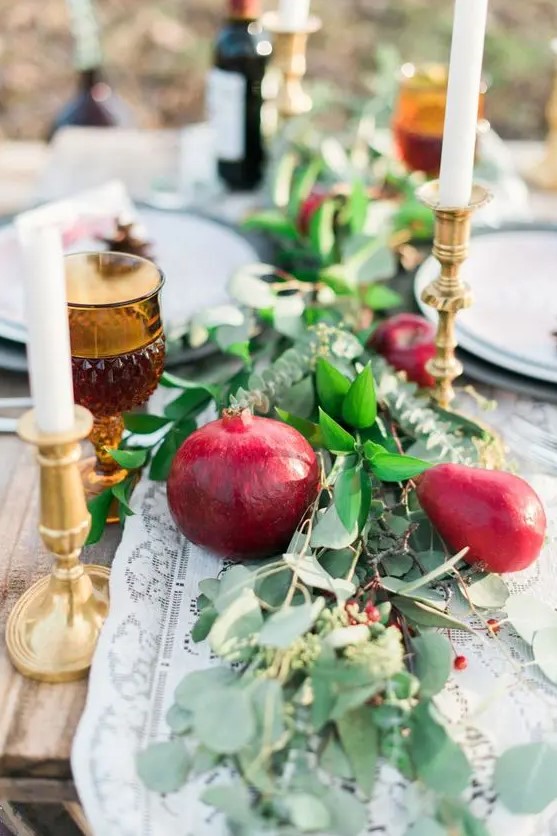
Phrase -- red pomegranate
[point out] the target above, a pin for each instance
(498, 515)
(407, 341)
(239, 486)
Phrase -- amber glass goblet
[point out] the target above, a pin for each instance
(118, 347)
(419, 115)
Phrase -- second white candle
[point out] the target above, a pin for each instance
(293, 15)
(463, 92)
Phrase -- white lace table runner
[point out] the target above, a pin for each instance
(146, 648)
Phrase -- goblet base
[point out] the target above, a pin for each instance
(53, 629)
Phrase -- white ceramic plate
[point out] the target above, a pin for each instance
(196, 254)
(513, 275)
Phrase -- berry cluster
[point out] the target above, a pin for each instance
(369, 615)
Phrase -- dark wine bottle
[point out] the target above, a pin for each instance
(94, 104)
(235, 98)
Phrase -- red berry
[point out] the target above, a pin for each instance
(373, 614)
(493, 625)
(460, 663)
(351, 603)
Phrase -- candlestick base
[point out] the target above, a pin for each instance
(449, 294)
(289, 59)
(53, 629)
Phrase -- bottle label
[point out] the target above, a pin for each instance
(226, 104)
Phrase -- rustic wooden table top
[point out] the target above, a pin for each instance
(38, 721)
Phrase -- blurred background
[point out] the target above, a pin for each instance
(156, 53)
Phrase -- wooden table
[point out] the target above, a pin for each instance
(38, 721)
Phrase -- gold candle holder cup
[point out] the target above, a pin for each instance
(449, 294)
(53, 629)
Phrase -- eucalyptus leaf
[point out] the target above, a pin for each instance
(248, 287)
(204, 624)
(398, 565)
(332, 387)
(210, 587)
(330, 532)
(164, 767)
(490, 592)
(457, 818)
(436, 573)
(231, 705)
(195, 684)
(334, 760)
(178, 720)
(336, 438)
(432, 662)
(310, 571)
(544, 648)
(438, 760)
(426, 826)
(240, 620)
(287, 316)
(349, 815)
(268, 701)
(528, 615)
(307, 813)
(337, 562)
(359, 408)
(232, 583)
(426, 615)
(358, 736)
(233, 800)
(285, 626)
(348, 497)
(299, 399)
(273, 589)
(525, 778)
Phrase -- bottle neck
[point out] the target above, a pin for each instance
(244, 10)
(88, 78)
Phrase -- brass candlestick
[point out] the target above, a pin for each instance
(544, 174)
(53, 629)
(449, 294)
(289, 59)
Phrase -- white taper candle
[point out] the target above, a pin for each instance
(293, 15)
(48, 347)
(461, 118)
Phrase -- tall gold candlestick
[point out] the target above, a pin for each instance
(544, 174)
(53, 629)
(289, 59)
(449, 294)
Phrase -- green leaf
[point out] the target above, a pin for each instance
(231, 736)
(240, 350)
(273, 222)
(431, 576)
(210, 587)
(302, 187)
(332, 386)
(381, 298)
(130, 459)
(426, 826)
(315, 576)
(164, 767)
(426, 615)
(143, 424)
(544, 648)
(334, 760)
(172, 381)
(122, 493)
(194, 685)
(299, 399)
(233, 800)
(365, 499)
(391, 467)
(490, 592)
(330, 532)
(285, 626)
(178, 720)
(232, 584)
(458, 819)
(528, 615)
(357, 207)
(358, 736)
(360, 404)
(307, 813)
(204, 624)
(439, 762)
(267, 697)
(322, 230)
(336, 438)
(310, 431)
(273, 590)
(99, 507)
(190, 401)
(348, 497)
(240, 620)
(432, 661)
(163, 458)
(337, 563)
(525, 778)
(369, 260)
(348, 814)
(283, 177)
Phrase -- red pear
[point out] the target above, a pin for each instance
(407, 341)
(496, 514)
